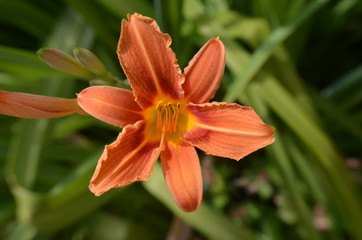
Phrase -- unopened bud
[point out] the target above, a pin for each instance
(90, 61)
(63, 62)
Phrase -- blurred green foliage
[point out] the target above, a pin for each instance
(296, 62)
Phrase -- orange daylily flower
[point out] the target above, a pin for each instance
(34, 106)
(167, 114)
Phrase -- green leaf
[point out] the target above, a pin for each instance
(31, 137)
(336, 175)
(25, 15)
(261, 55)
(346, 90)
(121, 8)
(107, 29)
(24, 64)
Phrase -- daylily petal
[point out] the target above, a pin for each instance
(227, 130)
(26, 105)
(112, 105)
(181, 168)
(130, 158)
(148, 61)
(204, 72)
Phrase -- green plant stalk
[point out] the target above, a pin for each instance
(25, 151)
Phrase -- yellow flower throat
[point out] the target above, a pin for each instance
(167, 118)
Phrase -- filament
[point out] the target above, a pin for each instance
(167, 117)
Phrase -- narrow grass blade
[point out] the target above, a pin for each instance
(26, 15)
(262, 54)
(107, 29)
(346, 91)
(297, 200)
(316, 140)
(25, 64)
(31, 136)
(120, 8)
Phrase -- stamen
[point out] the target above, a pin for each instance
(159, 118)
(167, 117)
(176, 110)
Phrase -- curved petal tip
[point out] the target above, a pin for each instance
(182, 171)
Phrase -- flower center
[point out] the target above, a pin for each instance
(168, 120)
(167, 116)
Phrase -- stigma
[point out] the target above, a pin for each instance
(167, 116)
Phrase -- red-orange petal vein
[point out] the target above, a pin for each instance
(148, 61)
(227, 130)
(204, 72)
(34, 106)
(130, 158)
(181, 168)
(112, 105)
